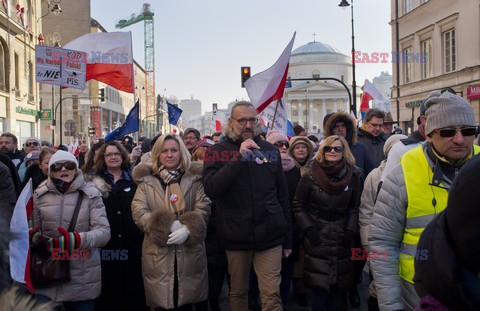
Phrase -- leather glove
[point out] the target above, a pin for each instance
(68, 241)
(175, 225)
(36, 236)
(348, 238)
(313, 236)
(178, 236)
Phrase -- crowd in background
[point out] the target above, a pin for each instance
(259, 212)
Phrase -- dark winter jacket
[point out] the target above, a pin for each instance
(293, 178)
(335, 217)
(13, 173)
(122, 282)
(251, 199)
(374, 145)
(363, 160)
(439, 273)
(35, 173)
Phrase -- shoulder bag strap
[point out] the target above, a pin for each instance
(73, 222)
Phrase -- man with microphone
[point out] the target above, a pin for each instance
(243, 176)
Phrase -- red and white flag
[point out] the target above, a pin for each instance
(19, 245)
(268, 85)
(73, 147)
(110, 58)
(370, 92)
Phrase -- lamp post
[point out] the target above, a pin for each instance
(343, 4)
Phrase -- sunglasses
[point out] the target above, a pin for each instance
(57, 167)
(336, 149)
(282, 143)
(33, 143)
(450, 132)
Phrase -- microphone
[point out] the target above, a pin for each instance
(259, 155)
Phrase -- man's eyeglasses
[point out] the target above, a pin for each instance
(330, 148)
(113, 154)
(375, 125)
(243, 121)
(31, 144)
(281, 143)
(57, 167)
(450, 132)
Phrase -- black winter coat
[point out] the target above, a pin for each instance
(293, 177)
(34, 172)
(332, 215)
(374, 145)
(251, 199)
(122, 282)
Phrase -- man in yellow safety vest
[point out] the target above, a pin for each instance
(413, 193)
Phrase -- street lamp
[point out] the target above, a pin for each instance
(344, 4)
(55, 8)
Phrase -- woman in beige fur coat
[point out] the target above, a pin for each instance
(171, 208)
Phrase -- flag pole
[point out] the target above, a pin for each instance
(275, 114)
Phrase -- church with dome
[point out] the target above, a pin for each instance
(309, 101)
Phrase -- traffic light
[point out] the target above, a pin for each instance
(245, 75)
(101, 94)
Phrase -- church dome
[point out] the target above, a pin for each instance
(315, 48)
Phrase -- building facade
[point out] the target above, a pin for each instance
(19, 104)
(438, 47)
(309, 101)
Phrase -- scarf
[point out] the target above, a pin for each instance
(332, 178)
(174, 199)
(287, 161)
(61, 185)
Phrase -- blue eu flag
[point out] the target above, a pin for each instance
(130, 125)
(174, 113)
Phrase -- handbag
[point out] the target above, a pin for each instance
(48, 272)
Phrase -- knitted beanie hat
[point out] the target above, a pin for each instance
(448, 110)
(275, 136)
(61, 155)
(392, 140)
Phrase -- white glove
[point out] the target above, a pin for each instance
(175, 225)
(178, 236)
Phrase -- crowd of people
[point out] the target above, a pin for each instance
(165, 223)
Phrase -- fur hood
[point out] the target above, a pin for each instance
(102, 186)
(349, 122)
(145, 169)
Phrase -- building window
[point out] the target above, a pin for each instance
(426, 58)
(449, 49)
(407, 6)
(31, 96)
(316, 74)
(24, 130)
(407, 64)
(305, 112)
(17, 75)
(3, 67)
(295, 112)
(342, 77)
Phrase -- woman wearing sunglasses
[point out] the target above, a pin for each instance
(122, 282)
(171, 208)
(54, 203)
(326, 210)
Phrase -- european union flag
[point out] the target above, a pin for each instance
(130, 125)
(174, 113)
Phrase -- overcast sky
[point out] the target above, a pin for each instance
(200, 45)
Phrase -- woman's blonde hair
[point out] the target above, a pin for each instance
(159, 146)
(347, 154)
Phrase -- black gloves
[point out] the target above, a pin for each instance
(313, 236)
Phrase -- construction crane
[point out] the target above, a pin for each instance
(147, 17)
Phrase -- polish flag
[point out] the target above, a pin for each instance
(268, 85)
(370, 92)
(73, 147)
(19, 245)
(109, 58)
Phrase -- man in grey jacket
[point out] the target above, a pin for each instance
(411, 196)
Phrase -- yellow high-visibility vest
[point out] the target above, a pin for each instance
(424, 202)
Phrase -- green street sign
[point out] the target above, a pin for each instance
(45, 114)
